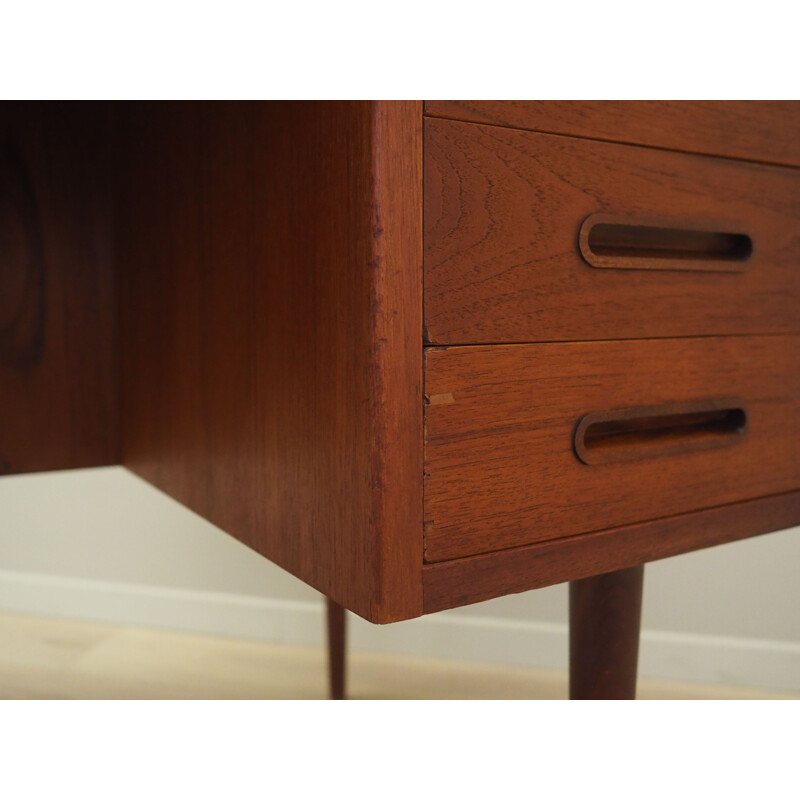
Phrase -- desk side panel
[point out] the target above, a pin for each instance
(271, 287)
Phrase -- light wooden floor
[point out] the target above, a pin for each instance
(57, 658)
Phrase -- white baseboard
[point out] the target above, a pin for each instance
(214, 613)
(671, 656)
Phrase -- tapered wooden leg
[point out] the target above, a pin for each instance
(336, 649)
(604, 619)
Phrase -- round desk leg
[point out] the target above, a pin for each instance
(336, 649)
(604, 619)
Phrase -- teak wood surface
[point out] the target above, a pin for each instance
(228, 299)
(766, 131)
(500, 466)
(503, 212)
(471, 580)
(271, 346)
(58, 345)
(337, 650)
(604, 619)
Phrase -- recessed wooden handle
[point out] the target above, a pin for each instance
(614, 242)
(635, 433)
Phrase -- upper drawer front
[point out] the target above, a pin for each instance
(503, 211)
(760, 131)
(677, 425)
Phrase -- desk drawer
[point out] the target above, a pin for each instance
(759, 131)
(664, 427)
(684, 245)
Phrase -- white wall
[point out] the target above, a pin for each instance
(102, 544)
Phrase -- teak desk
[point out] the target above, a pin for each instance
(419, 356)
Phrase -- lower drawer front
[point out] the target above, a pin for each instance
(525, 443)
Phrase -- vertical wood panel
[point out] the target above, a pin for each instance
(58, 379)
(398, 356)
(271, 302)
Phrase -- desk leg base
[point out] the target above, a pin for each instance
(336, 650)
(604, 621)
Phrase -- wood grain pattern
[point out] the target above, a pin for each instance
(503, 210)
(762, 130)
(471, 580)
(270, 381)
(605, 613)
(271, 345)
(500, 469)
(58, 349)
